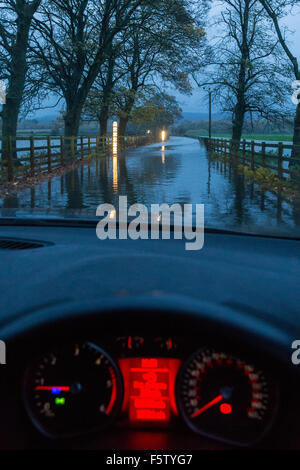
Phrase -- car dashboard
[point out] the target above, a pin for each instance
(154, 383)
(147, 364)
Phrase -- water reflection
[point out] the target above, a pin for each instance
(163, 155)
(178, 171)
(115, 174)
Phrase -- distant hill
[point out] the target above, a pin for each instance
(47, 117)
(203, 116)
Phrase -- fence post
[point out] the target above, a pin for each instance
(10, 168)
(62, 150)
(81, 146)
(263, 151)
(72, 148)
(280, 156)
(252, 155)
(244, 151)
(49, 153)
(31, 156)
(237, 150)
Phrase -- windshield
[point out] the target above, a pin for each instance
(181, 111)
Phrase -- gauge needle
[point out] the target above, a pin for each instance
(207, 406)
(53, 387)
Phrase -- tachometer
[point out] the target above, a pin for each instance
(224, 397)
(73, 390)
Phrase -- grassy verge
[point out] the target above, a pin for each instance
(263, 137)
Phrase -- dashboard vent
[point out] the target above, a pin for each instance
(19, 244)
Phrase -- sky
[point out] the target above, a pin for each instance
(197, 103)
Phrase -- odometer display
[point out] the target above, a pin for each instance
(72, 390)
(224, 397)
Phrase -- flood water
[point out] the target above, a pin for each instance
(179, 172)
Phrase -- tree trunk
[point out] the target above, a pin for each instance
(103, 122)
(125, 113)
(107, 91)
(240, 107)
(16, 84)
(9, 131)
(237, 127)
(123, 125)
(72, 122)
(296, 138)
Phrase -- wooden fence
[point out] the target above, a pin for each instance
(257, 154)
(30, 156)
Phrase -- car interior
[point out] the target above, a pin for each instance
(149, 232)
(125, 345)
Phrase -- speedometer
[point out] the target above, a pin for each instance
(72, 390)
(224, 397)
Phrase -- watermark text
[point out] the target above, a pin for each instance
(161, 221)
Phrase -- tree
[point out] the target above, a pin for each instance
(162, 46)
(276, 9)
(73, 40)
(108, 78)
(158, 111)
(99, 102)
(16, 18)
(246, 67)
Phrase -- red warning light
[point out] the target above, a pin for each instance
(226, 408)
(149, 388)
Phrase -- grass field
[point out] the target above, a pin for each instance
(263, 137)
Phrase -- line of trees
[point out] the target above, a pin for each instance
(250, 68)
(99, 57)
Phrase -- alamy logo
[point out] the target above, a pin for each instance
(2, 92)
(163, 221)
(296, 354)
(2, 352)
(296, 94)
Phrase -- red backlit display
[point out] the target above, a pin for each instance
(149, 388)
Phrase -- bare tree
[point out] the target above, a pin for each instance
(276, 9)
(72, 41)
(246, 68)
(99, 102)
(163, 47)
(16, 18)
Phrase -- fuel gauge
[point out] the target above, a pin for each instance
(73, 390)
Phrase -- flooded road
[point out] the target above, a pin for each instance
(180, 172)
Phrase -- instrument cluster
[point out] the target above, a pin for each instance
(142, 382)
